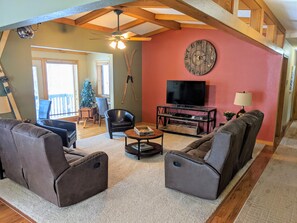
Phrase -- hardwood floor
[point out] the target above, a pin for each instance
(232, 204)
(226, 212)
(9, 214)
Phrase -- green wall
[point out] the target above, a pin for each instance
(17, 63)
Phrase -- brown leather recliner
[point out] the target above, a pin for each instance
(63, 177)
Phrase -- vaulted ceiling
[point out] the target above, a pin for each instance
(248, 19)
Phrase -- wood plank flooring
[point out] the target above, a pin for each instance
(226, 212)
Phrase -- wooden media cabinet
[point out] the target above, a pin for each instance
(194, 120)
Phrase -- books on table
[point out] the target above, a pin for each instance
(143, 147)
(143, 130)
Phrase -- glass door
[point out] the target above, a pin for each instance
(62, 87)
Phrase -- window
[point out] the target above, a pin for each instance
(35, 84)
(103, 78)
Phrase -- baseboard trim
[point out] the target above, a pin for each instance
(268, 143)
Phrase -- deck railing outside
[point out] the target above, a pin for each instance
(62, 105)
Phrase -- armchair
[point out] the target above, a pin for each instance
(119, 120)
(66, 130)
(44, 109)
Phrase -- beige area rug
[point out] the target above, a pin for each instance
(136, 191)
(274, 198)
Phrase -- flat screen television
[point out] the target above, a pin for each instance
(185, 93)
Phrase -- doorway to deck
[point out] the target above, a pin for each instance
(58, 76)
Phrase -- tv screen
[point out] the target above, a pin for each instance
(185, 92)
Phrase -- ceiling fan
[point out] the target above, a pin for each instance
(118, 37)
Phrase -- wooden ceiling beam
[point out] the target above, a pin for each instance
(245, 20)
(139, 38)
(267, 10)
(92, 15)
(197, 26)
(130, 25)
(280, 38)
(235, 7)
(174, 17)
(257, 19)
(87, 25)
(251, 4)
(150, 17)
(242, 6)
(271, 33)
(210, 13)
(96, 27)
(267, 20)
(145, 4)
(155, 32)
(226, 4)
(65, 21)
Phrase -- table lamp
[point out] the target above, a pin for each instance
(4, 105)
(242, 99)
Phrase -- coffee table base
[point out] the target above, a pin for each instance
(157, 148)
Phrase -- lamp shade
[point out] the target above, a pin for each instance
(243, 98)
(4, 105)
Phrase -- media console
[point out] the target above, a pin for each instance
(195, 121)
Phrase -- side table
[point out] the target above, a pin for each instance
(86, 114)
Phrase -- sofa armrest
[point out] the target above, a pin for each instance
(84, 178)
(76, 151)
(191, 176)
(184, 155)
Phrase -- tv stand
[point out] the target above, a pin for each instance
(192, 120)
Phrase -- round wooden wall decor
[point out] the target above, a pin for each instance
(200, 57)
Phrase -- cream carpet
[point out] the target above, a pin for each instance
(274, 198)
(136, 191)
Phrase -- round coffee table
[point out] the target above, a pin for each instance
(143, 149)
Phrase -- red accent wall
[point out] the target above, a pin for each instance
(240, 66)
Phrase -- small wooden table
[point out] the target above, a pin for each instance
(86, 114)
(156, 148)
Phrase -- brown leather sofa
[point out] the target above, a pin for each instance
(205, 167)
(35, 158)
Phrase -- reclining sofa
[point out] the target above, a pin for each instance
(35, 158)
(205, 167)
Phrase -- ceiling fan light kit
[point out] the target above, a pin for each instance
(118, 35)
(119, 44)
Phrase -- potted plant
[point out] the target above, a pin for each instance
(87, 108)
(229, 115)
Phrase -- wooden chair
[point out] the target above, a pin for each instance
(102, 108)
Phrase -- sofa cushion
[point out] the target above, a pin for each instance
(200, 147)
(202, 150)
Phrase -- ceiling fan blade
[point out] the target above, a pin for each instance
(139, 38)
(128, 34)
